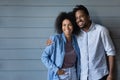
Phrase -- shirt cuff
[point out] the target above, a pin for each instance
(111, 53)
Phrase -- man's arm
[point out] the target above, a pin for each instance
(111, 63)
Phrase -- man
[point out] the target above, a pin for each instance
(95, 44)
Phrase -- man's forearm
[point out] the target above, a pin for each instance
(111, 63)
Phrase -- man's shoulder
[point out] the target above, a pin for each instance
(100, 27)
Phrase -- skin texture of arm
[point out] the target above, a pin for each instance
(111, 61)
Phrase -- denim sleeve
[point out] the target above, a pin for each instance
(46, 57)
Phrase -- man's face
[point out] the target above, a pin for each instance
(81, 19)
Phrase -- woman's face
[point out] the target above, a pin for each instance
(67, 27)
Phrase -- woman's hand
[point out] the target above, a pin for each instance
(60, 72)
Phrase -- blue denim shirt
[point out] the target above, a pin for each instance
(53, 55)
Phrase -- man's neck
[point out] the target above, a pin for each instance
(86, 29)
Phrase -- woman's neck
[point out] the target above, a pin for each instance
(68, 38)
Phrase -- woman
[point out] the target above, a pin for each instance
(62, 56)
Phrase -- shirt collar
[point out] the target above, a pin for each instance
(92, 27)
(64, 38)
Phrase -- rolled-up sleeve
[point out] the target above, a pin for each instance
(107, 42)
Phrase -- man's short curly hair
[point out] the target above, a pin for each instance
(80, 7)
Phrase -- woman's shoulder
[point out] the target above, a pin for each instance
(55, 37)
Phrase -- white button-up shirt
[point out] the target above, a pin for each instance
(94, 45)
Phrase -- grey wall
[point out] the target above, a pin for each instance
(26, 24)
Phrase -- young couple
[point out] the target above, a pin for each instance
(82, 50)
